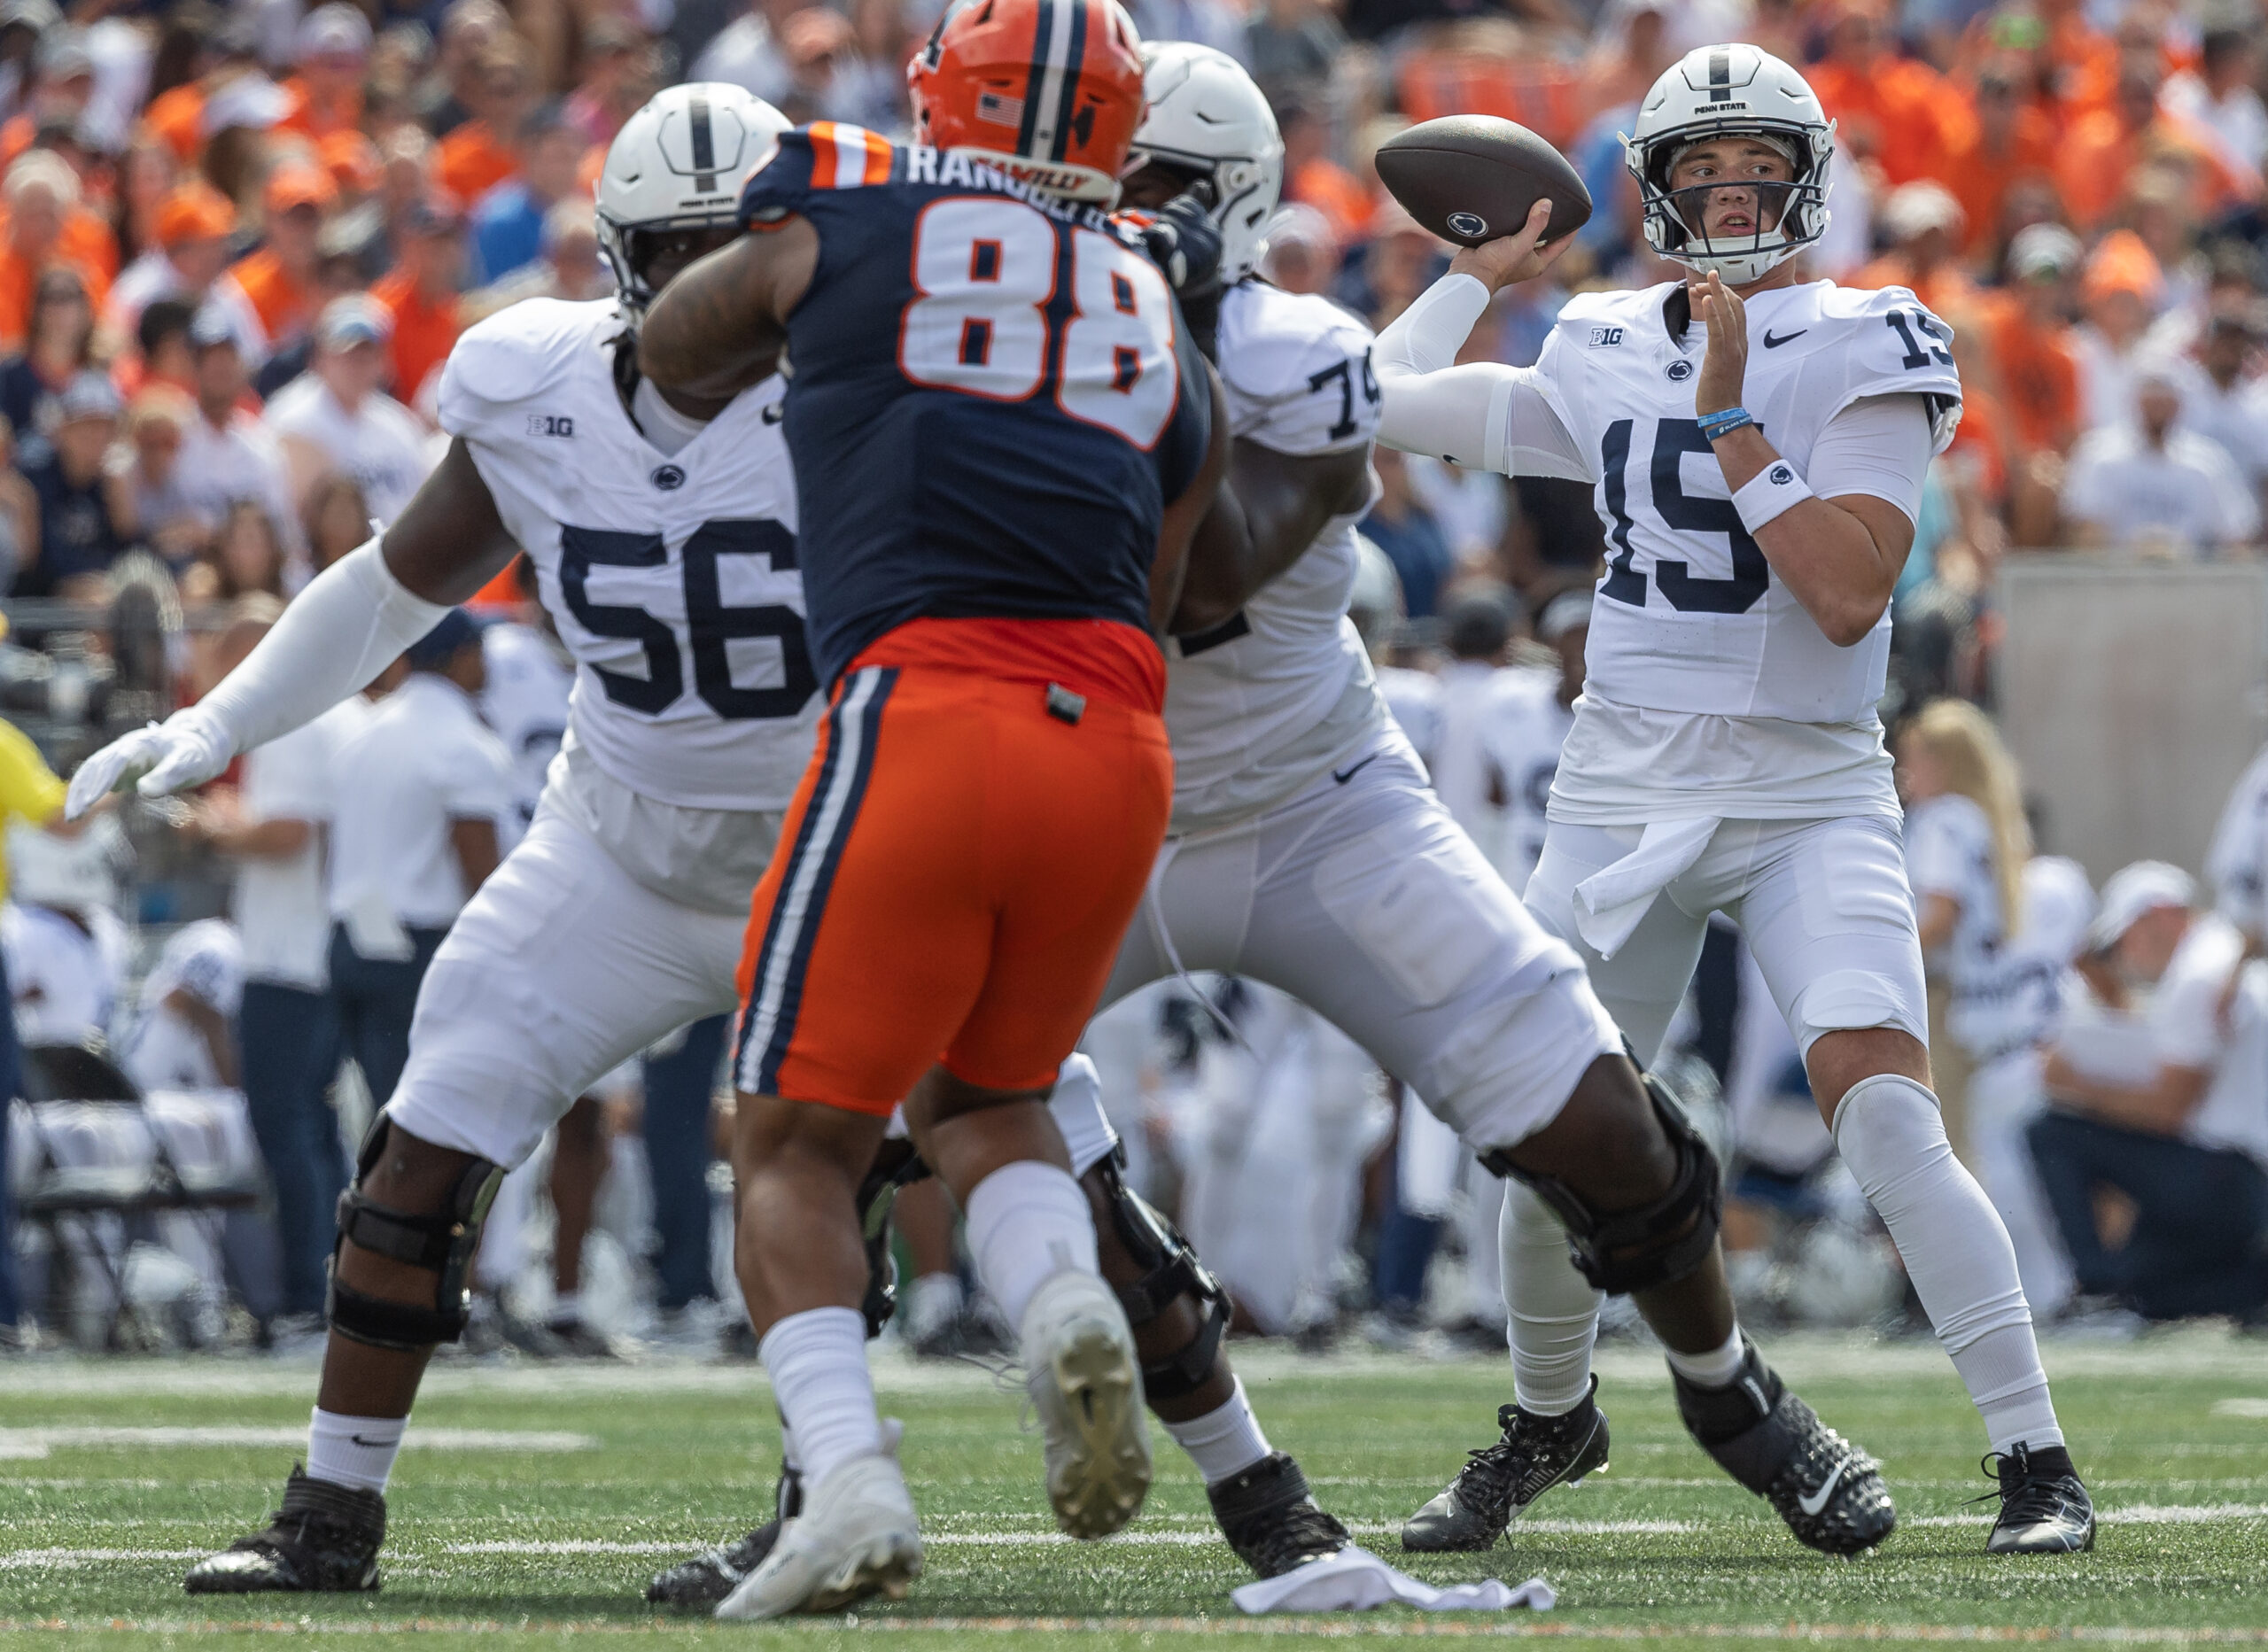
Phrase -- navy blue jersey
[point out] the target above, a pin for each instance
(990, 398)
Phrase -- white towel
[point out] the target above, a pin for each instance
(1355, 1580)
(1610, 902)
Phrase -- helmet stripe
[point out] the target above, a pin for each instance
(1061, 40)
(1074, 60)
(1043, 31)
(1721, 75)
(705, 141)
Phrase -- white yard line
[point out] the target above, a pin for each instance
(34, 1443)
(1348, 1626)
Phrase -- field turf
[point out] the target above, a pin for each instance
(542, 1497)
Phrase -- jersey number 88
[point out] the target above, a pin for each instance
(986, 272)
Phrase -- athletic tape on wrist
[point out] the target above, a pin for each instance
(1771, 491)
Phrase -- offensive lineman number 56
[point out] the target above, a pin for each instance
(985, 270)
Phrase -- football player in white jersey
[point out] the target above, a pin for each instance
(663, 532)
(1757, 447)
(1308, 850)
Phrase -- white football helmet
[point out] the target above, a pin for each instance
(1731, 91)
(1206, 116)
(678, 163)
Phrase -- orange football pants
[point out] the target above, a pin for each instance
(954, 877)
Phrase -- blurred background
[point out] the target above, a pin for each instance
(237, 241)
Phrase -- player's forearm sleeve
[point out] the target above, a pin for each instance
(1483, 414)
(353, 621)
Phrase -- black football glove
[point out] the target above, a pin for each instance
(1185, 244)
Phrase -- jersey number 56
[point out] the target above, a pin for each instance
(986, 272)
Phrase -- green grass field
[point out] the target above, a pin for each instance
(563, 1488)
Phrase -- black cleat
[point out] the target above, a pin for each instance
(709, 1578)
(1828, 1491)
(1498, 1481)
(2044, 1510)
(324, 1541)
(1271, 1520)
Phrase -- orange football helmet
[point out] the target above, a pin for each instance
(1049, 90)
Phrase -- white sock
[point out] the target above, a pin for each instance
(1713, 1370)
(1553, 1310)
(1226, 1440)
(356, 1451)
(1956, 1252)
(817, 1361)
(1026, 1221)
(934, 1303)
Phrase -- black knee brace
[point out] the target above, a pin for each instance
(1172, 1270)
(896, 1166)
(443, 1244)
(1634, 1250)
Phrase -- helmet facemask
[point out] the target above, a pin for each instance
(630, 249)
(1787, 215)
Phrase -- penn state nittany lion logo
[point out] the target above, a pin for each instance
(1471, 225)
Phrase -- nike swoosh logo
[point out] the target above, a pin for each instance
(1344, 775)
(1817, 1501)
(1770, 342)
(371, 1445)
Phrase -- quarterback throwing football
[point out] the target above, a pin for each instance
(1757, 447)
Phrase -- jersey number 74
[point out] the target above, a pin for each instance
(986, 271)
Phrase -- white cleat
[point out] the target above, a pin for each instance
(856, 1537)
(1086, 1384)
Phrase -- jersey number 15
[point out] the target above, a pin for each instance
(986, 271)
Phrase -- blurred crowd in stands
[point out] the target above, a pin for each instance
(237, 243)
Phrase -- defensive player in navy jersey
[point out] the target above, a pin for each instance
(1003, 441)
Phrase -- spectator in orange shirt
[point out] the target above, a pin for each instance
(332, 52)
(1312, 178)
(1905, 115)
(479, 155)
(2029, 341)
(421, 294)
(189, 262)
(1925, 226)
(178, 116)
(2015, 138)
(42, 189)
(2103, 149)
(280, 277)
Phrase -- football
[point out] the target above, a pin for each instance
(1472, 178)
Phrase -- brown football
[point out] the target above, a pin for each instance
(1472, 178)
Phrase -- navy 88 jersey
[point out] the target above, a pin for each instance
(991, 400)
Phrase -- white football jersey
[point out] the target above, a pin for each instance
(1523, 728)
(530, 685)
(206, 960)
(2237, 863)
(1691, 618)
(1949, 851)
(672, 579)
(1259, 706)
(2013, 998)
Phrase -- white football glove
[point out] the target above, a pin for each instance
(187, 749)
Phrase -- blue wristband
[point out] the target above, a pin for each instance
(1716, 426)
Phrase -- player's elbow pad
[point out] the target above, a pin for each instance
(353, 621)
